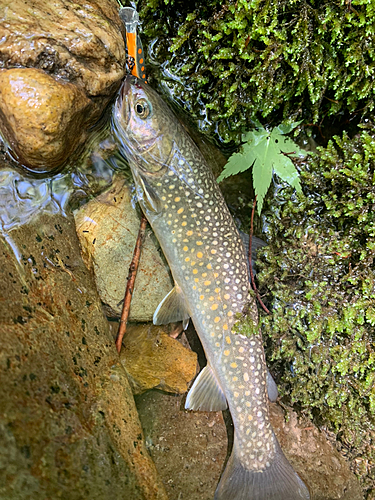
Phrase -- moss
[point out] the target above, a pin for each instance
(320, 275)
(246, 326)
(230, 61)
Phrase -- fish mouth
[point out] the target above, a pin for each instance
(129, 80)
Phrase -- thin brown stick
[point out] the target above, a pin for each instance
(249, 257)
(130, 283)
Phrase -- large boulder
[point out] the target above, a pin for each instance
(61, 64)
(68, 424)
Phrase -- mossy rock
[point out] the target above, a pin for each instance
(320, 275)
(229, 61)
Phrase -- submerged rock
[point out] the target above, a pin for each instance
(326, 472)
(44, 46)
(107, 227)
(43, 120)
(189, 450)
(68, 423)
(152, 359)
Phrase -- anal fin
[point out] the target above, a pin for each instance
(273, 393)
(172, 309)
(206, 393)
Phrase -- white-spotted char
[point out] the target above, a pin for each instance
(200, 241)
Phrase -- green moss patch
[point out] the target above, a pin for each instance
(230, 61)
(320, 275)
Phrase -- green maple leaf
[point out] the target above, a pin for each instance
(265, 151)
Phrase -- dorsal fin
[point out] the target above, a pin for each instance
(206, 393)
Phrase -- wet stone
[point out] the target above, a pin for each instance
(43, 120)
(68, 423)
(107, 227)
(80, 42)
(62, 62)
(152, 359)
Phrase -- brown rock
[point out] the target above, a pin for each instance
(80, 41)
(107, 228)
(68, 424)
(152, 359)
(189, 450)
(320, 465)
(43, 120)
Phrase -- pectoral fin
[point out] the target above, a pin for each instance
(150, 199)
(146, 195)
(206, 393)
(172, 309)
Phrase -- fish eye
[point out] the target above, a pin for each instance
(142, 108)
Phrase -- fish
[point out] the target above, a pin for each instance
(188, 214)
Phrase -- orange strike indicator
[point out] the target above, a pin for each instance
(130, 18)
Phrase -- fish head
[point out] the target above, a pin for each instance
(143, 124)
(145, 129)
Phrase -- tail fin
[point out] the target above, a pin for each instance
(278, 482)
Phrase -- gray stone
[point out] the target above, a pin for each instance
(107, 227)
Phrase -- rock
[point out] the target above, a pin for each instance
(62, 63)
(42, 119)
(320, 465)
(80, 42)
(68, 423)
(152, 359)
(107, 228)
(189, 450)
